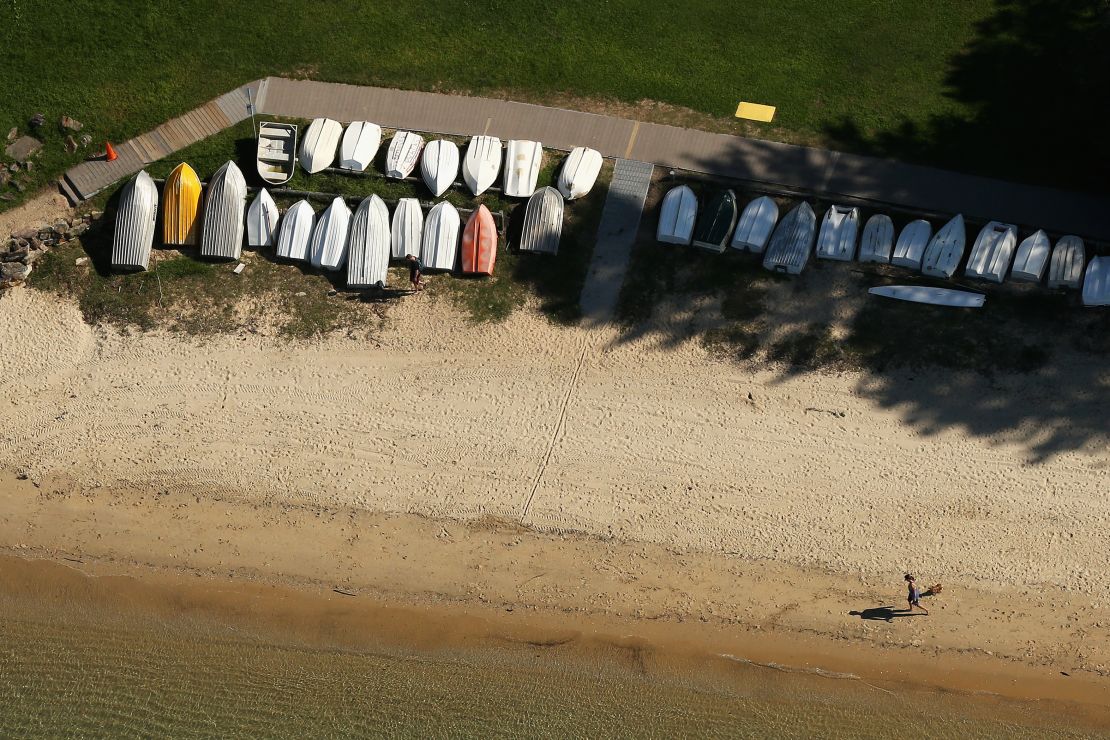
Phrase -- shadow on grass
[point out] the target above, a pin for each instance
(1036, 72)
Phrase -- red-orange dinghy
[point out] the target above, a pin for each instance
(479, 243)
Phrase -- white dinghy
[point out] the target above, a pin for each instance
(1096, 282)
(296, 232)
(403, 154)
(368, 245)
(677, 216)
(360, 143)
(440, 165)
(482, 163)
(945, 250)
(1031, 258)
(276, 156)
(133, 234)
(522, 167)
(932, 296)
(579, 173)
(792, 241)
(1066, 268)
(910, 247)
(756, 223)
(877, 239)
(543, 222)
(990, 254)
(329, 240)
(262, 220)
(224, 209)
(408, 228)
(319, 144)
(839, 228)
(441, 237)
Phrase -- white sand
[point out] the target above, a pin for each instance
(637, 440)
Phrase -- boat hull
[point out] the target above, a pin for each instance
(877, 240)
(837, 238)
(224, 211)
(403, 154)
(439, 165)
(296, 232)
(1096, 282)
(791, 243)
(368, 245)
(482, 163)
(716, 221)
(755, 225)
(522, 167)
(1031, 258)
(360, 143)
(1066, 268)
(677, 216)
(479, 243)
(408, 228)
(990, 256)
(319, 145)
(543, 222)
(911, 244)
(579, 172)
(262, 220)
(440, 246)
(136, 216)
(181, 207)
(276, 156)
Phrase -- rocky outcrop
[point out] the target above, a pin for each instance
(25, 247)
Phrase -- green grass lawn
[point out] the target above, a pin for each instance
(874, 76)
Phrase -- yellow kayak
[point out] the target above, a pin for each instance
(181, 206)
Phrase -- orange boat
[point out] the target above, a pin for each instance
(479, 243)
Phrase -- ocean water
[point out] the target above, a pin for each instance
(76, 673)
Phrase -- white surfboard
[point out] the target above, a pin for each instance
(932, 296)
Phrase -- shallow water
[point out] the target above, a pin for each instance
(91, 670)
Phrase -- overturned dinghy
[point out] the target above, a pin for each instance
(368, 245)
(440, 165)
(1031, 258)
(408, 228)
(403, 154)
(543, 222)
(482, 163)
(262, 219)
(790, 244)
(180, 207)
(1096, 282)
(276, 156)
(441, 237)
(1066, 268)
(133, 235)
(877, 239)
(224, 209)
(839, 228)
(932, 296)
(911, 244)
(677, 216)
(360, 143)
(296, 232)
(522, 167)
(329, 240)
(755, 225)
(990, 254)
(945, 250)
(579, 173)
(716, 221)
(479, 243)
(319, 145)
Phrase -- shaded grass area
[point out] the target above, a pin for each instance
(132, 66)
(204, 297)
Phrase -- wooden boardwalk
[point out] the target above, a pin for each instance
(818, 172)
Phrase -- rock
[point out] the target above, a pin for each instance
(13, 133)
(25, 234)
(36, 243)
(333, 292)
(60, 227)
(28, 165)
(31, 257)
(85, 140)
(13, 167)
(4, 177)
(22, 148)
(16, 255)
(70, 145)
(37, 120)
(14, 271)
(71, 124)
(7, 196)
(18, 185)
(78, 229)
(81, 261)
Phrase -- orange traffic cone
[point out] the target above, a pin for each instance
(109, 153)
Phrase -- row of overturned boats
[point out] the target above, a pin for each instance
(787, 244)
(363, 240)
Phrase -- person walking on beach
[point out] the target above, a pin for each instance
(415, 268)
(913, 595)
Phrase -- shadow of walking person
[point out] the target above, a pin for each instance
(883, 613)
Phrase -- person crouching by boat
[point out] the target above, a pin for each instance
(415, 268)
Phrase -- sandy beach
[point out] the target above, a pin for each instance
(558, 470)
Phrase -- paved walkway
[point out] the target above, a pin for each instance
(832, 175)
(616, 232)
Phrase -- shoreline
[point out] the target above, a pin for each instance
(284, 590)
